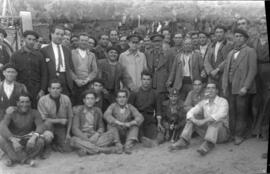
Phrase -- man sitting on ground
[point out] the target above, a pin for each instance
(23, 135)
(213, 126)
(88, 128)
(124, 120)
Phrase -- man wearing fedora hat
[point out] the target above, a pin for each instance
(134, 60)
(32, 69)
(238, 83)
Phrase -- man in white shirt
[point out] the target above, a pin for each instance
(58, 60)
(213, 126)
(134, 60)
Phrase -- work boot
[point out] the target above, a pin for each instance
(9, 163)
(118, 148)
(82, 152)
(31, 162)
(179, 145)
(206, 147)
(147, 142)
(128, 146)
(46, 153)
(238, 140)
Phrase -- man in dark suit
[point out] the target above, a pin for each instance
(238, 84)
(32, 70)
(217, 53)
(58, 60)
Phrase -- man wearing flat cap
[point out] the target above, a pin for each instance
(159, 63)
(134, 60)
(9, 89)
(214, 60)
(32, 70)
(238, 84)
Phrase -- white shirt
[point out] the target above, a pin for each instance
(236, 55)
(216, 49)
(55, 51)
(186, 69)
(82, 53)
(8, 89)
(203, 50)
(134, 64)
(218, 110)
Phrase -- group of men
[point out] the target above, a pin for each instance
(105, 97)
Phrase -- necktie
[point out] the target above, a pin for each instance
(60, 63)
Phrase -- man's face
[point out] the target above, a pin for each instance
(262, 26)
(133, 44)
(89, 100)
(38, 43)
(83, 42)
(220, 34)
(147, 42)
(173, 98)
(197, 86)
(195, 39)
(113, 36)
(121, 98)
(187, 45)
(104, 40)
(24, 104)
(55, 90)
(157, 44)
(113, 55)
(123, 41)
(239, 39)
(57, 36)
(74, 41)
(146, 81)
(242, 24)
(91, 43)
(66, 40)
(67, 32)
(202, 39)
(30, 41)
(98, 87)
(167, 36)
(10, 74)
(211, 90)
(178, 39)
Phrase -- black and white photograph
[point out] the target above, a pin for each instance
(134, 87)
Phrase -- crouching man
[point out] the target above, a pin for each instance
(213, 126)
(124, 120)
(23, 135)
(88, 128)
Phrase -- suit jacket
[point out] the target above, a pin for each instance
(121, 75)
(161, 73)
(209, 62)
(176, 74)
(5, 102)
(244, 73)
(49, 57)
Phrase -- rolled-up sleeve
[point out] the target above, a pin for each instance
(195, 110)
(222, 110)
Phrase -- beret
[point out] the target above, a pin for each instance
(221, 27)
(173, 91)
(240, 31)
(155, 36)
(134, 35)
(98, 80)
(113, 48)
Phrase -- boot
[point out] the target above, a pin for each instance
(179, 145)
(128, 146)
(205, 148)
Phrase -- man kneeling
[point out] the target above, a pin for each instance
(213, 126)
(23, 134)
(88, 128)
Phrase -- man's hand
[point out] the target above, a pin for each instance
(214, 72)
(243, 91)
(94, 138)
(40, 94)
(203, 74)
(16, 144)
(168, 84)
(11, 109)
(160, 128)
(63, 121)
(79, 82)
(68, 137)
(31, 142)
(119, 123)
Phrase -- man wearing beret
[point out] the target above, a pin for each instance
(134, 60)
(31, 66)
(9, 88)
(238, 84)
(217, 54)
(159, 64)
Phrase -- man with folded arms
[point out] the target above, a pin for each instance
(213, 126)
(23, 135)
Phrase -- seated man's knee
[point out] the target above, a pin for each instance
(48, 136)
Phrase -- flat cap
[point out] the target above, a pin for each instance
(30, 32)
(240, 31)
(156, 37)
(98, 80)
(134, 36)
(221, 27)
(9, 65)
(113, 48)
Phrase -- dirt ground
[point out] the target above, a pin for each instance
(224, 159)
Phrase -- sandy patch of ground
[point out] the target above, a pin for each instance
(224, 159)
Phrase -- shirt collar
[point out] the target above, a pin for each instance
(215, 100)
(130, 53)
(6, 84)
(125, 107)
